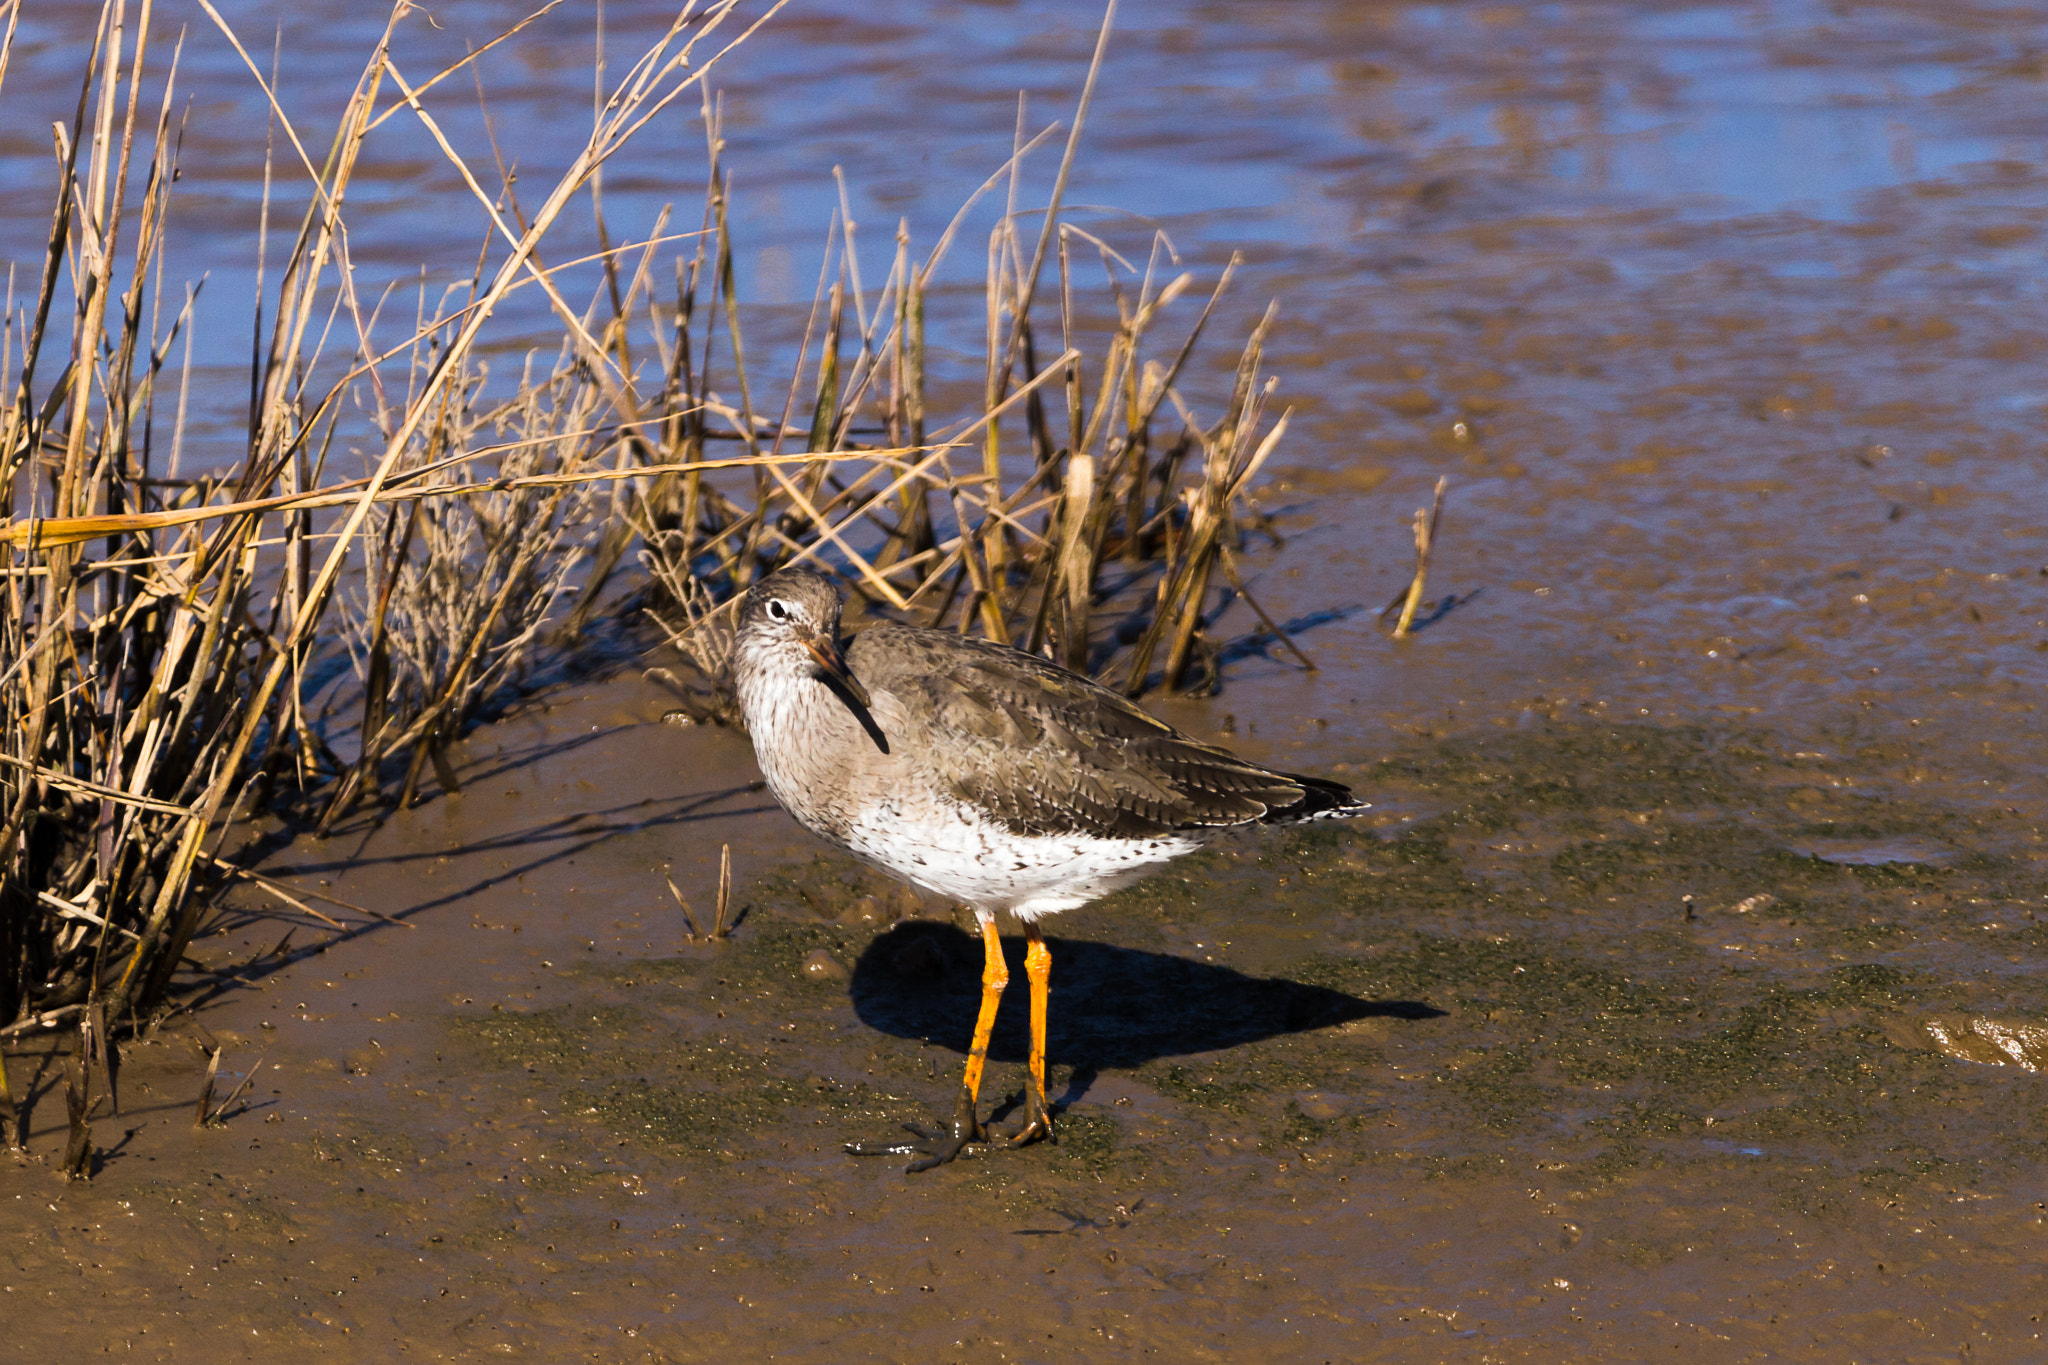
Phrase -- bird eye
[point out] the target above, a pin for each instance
(778, 611)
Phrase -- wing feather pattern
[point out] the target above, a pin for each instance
(1047, 751)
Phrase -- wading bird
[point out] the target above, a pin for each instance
(988, 776)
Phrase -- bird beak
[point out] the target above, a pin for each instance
(832, 665)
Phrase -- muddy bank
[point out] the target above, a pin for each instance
(1680, 998)
(1607, 1038)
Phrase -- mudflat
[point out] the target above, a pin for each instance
(1602, 1039)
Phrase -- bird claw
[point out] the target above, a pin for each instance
(1033, 1130)
(1037, 1125)
(942, 1143)
(936, 1145)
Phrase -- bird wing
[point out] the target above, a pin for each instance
(1045, 750)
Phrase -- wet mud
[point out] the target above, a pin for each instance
(1597, 1039)
(1682, 997)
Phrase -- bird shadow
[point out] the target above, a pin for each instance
(1115, 1007)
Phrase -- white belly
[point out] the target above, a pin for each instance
(957, 853)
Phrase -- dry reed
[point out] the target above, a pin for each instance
(1426, 519)
(171, 646)
(1084, 535)
(160, 638)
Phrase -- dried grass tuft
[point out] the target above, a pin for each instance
(166, 641)
(1066, 517)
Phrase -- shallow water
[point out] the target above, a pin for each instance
(1724, 321)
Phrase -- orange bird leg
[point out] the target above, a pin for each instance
(995, 974)
(1038, 970)
(943, 1146)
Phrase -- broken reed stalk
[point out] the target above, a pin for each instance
(689, 922)
(1229, 562)
(1425, 541)
(204, 1108)
(10, 1114)
(76, 1163)
(219, 1113)
(285, 893)
(719, 926)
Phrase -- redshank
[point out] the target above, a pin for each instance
(988, 776)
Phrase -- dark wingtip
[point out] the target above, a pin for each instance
(1321, 799)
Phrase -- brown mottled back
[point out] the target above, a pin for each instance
(1046, 751)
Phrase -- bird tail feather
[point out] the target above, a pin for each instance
(1321, 799)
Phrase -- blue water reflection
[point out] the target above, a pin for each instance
(1317, 124)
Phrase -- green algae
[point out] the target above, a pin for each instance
(1611, 946)
(1234, 1095)
(550, 1037)
(687, 1112)
(1091, 1143)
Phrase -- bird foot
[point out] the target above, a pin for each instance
(936, 1145)
(1037, 1125)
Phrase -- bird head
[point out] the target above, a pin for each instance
(789, 625)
